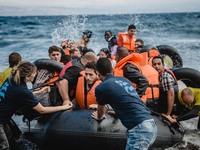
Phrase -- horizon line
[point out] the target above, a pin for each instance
(90, 14)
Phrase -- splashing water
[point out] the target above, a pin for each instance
(69, 29)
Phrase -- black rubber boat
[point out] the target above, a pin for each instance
(76, 129)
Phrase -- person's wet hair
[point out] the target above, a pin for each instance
(91, 65)
(87, 33)
(104, 66)
(140, 40)
(108, 33)
(54, 49)
(14, 59)
(106, 51)
(23, 70)
(158, 57)
(131, 26)
(65, 59)
(84, 50)
(122, 51)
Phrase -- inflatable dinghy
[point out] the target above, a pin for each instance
(76, 129)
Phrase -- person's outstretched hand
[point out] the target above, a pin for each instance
(95, 116)
(93, 106)
(45, 89)
(169, 118)
(66, 106)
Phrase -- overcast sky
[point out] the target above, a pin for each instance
(65, 7)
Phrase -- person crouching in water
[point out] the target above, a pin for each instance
(14, 95)
(128, 107)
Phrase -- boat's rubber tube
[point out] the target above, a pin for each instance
(172, 53)
(190, 77)
(49, 64)
(78, 130)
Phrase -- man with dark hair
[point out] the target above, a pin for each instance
(55, 53)
(13, 59)
(65, 59)
(127, 105)
(127, 39)
(139, 44)
(168, 88)
(86, 85)
(69, 76)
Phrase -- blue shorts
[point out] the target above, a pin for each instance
(142, 136)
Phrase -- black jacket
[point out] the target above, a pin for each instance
(133, 74)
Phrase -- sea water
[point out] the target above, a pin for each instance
(31, 36)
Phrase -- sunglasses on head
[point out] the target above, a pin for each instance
(65, 46)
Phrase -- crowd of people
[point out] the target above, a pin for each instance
(90, 80)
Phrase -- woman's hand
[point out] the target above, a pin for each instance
(42, 90)
(45, 89)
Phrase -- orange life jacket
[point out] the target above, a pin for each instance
(53, 80)
(125, 40)
(66, 50)
(152, 91)
(133, 58)
(151, 54)
(84, 98)
(151, 74)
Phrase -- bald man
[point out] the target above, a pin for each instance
(68, 81)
